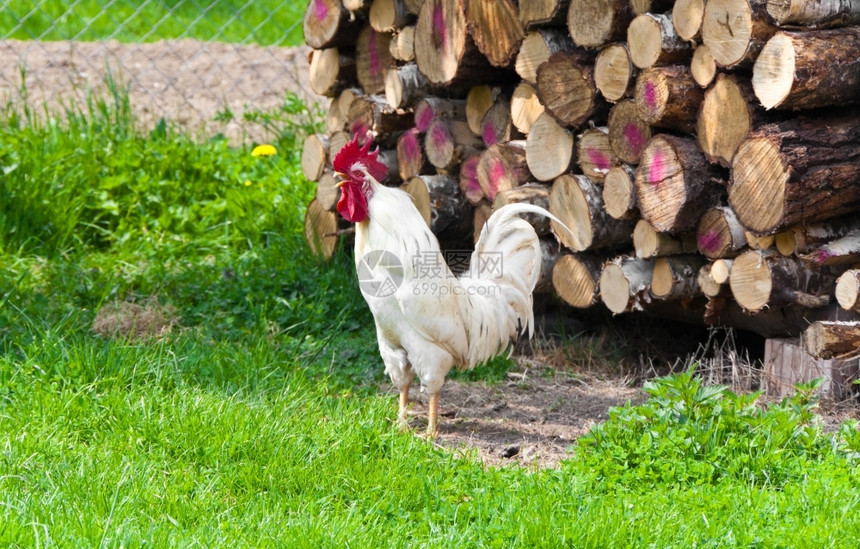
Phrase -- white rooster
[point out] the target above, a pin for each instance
(434, 320)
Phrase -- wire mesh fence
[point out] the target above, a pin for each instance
(201, 64)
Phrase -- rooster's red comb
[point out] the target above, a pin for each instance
(352, 153)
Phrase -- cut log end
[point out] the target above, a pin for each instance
(703, 67)
(575, 280)
(848, 290)
(759, 178)
(321, 230)
(773, 76)
(613, 72)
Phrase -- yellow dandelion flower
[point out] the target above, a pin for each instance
(263, 150)
(248, 183)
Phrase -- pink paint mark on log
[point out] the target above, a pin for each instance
(489, 133)
(497, 170)
(373, 53)
(709, 242)
(655, 171)
(469, 171)
(410, 145)
(440, 135)
(650, 95)
(635, 138)
(320, 10)
(423, 117)
(599, 159)
(821, 256)
(440, 30)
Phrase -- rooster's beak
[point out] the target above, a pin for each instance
(342, 181)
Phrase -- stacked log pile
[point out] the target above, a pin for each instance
(704, 153)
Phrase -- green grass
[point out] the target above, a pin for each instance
(257, 423)
(266, 22)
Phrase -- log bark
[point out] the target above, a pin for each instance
(449, 142)
(761, 279)
(736, 30)
(842, 251)
(429, 108)
(497, 29)
(648, 242)
(805, 70)
(676, 277)
(674, 184)
(372, 59)
(818, 15)
(575, 277)
(619, 192)
(525, 107)
(848, 290)
(442, 206)
(331, 70)
(502, 167)
(703, 67)
(550, 254)
(595, 23)
(594, 154)
(687, 16)
(651, 6)
(710, 287)
(478, 101)
(834, 339)
(536, 194)
(565, 86)
(805, 237)
(404, 86)
(402, 46)
(536, 48)
(668, 98)
(614, 72)
(628, 134)
(444, 50)
(483, 211)
(577, 202)
(315, 156)
(327, 192)
(652, 41)
(327, 24)
(802, 169)
(726, 118)
(625, 283)
(469, 184)
(370, 116)
(389, 15)
(411, 160)
(543, 13)
(549, 148)
(496, 126)
(719, 233)
(321, 230)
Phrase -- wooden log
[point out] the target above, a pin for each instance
(478, 101)
(710, 287)
(482, 213)
(404, 85)
(372, 59)
(628, 134)
(625, 282)
(703, 67)
(668, 97)
(726, 117)
(648, 242)
(444, 50)
(721, 270)
(496, 29)
(331, 70)
(525, 107)
(429, 108)
(469, 184)
(496, 126)
(842, 251)
(805, 70)
(595, 23)
(848, 290)
(802, 169)
(736, 30)
(536, 194)
(413, 6)
(442, 206)
(651, 6)
(449, 142)
(817, 15)
(759, 242)
(321, 230)
(543, 13)
(389, 15)
(550, 254)
(536, 48)
(613, 72)
(335, 119)
(357, 7)
(575, 277)
(565, 86)
(336, 142)
(594, 153)
(833, 339)
(549, 148)
(577, 202)
(502, 167)
(402, 47)
(652, 41)
(371, 116)
(676, 277)
(619, 192)
(719, 233)
(327, 193)
(411, 160)
(687, 16)
(674, 184)
(327, 24)
(762, 279)
(788, 362)
(805, 237)
(315, 156)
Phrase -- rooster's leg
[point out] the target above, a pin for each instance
(404, 403)
(433, 416)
